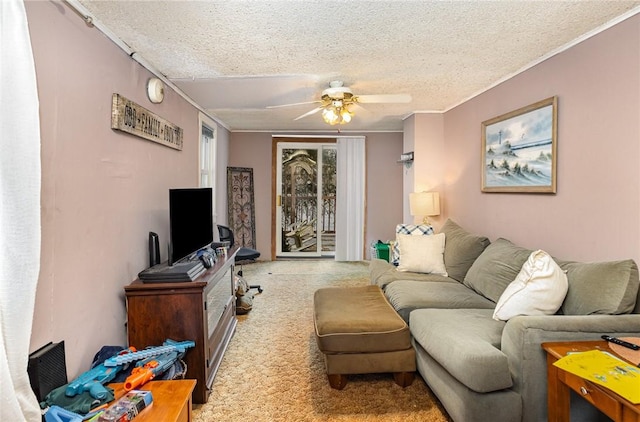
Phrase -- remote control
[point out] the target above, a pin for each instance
(621, 342)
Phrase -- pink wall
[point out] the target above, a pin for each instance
(102, 190)
(253, 150)
(425, 133)
(384, 176)
(595, 214)
(408, 181)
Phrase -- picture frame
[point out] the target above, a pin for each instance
(519, 149)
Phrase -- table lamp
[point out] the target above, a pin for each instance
(426, 204)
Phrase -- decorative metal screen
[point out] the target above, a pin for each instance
(241, 206)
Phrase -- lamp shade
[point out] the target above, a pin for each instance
(424, 203)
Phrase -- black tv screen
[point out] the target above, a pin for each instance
(190, 221)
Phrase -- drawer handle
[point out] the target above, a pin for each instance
(584, 391)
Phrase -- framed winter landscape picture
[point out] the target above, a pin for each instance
(519, 149)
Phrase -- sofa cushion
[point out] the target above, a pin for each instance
(422, 254)
(466, 342)
(539, 289)
(410, 229)
(496, 268)
(408, 295)
(382, 273)
(461, 249)
(601, 287)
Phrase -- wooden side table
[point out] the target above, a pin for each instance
(171, 400)
(559, 383)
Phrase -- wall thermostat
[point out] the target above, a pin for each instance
(155, 90)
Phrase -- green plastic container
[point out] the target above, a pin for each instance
(380, 250)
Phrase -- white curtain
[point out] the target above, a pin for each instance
(350, 194)
(19, 211)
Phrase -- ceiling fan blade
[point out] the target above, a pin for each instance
(384, 98)
(309, 113)
(357, 109)
(294, 104)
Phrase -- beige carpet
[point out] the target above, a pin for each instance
(273, 370)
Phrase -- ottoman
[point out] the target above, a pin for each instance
(359, 332)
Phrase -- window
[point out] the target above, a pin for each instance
(208, 134)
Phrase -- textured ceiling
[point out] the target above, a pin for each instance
(235, 58)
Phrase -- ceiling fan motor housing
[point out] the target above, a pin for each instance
(337, 91)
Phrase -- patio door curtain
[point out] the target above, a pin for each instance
(350, 194)
(19, 211)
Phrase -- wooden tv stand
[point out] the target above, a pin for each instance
(202, 311)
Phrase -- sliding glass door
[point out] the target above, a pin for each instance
(305, 199)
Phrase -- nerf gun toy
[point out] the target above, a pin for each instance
(168, 346)
(92, 381)
(148, 369)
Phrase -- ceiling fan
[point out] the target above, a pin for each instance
(338, 103)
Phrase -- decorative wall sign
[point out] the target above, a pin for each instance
(519, 149)
(132, 118)
(241, 206)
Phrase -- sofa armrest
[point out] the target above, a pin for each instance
(522, 333)
(380, 272)
(521, 339)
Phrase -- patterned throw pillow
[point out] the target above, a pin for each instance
(411, 229)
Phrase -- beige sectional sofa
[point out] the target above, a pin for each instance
(483, 369)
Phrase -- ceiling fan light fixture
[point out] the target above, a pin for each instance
(346, 115)
(337, 114)
(331, 115)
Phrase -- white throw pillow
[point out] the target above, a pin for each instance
(539, 289)
(422, 254)
(412, 229)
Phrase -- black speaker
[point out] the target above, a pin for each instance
(47, 369)
(154, 249)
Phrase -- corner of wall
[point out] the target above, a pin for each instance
(424, 135)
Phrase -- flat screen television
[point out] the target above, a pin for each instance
(190, 222)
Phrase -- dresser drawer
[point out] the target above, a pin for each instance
(594, 395)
